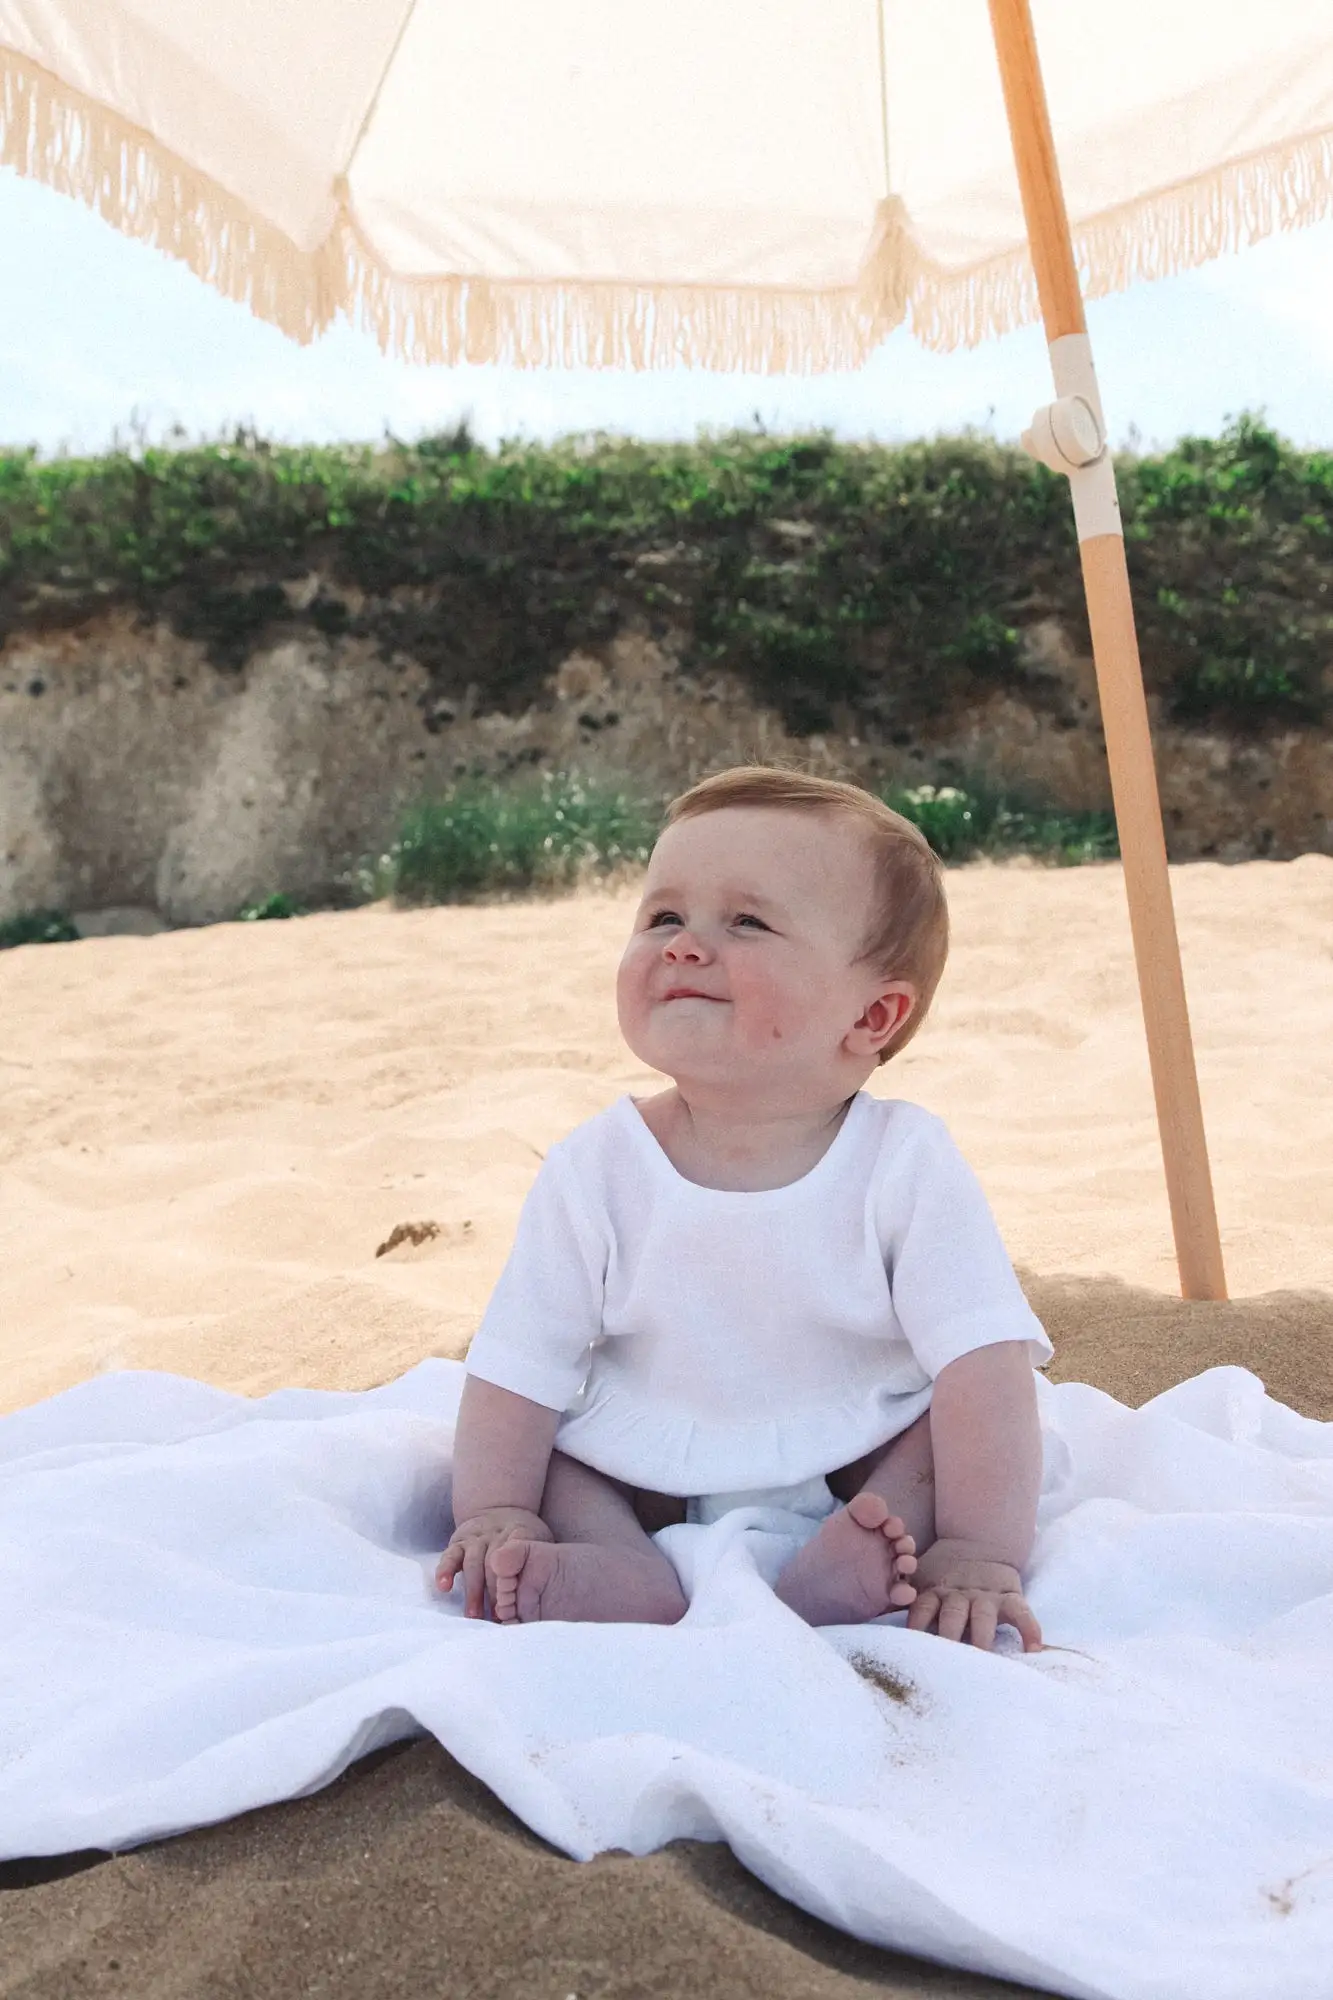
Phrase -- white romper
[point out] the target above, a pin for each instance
(735, 1347)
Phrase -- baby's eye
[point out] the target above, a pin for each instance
(660, 917)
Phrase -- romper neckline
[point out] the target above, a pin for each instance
(822, 1168)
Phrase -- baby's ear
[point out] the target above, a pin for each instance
(883, 1017)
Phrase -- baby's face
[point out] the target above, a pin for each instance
(739, 969)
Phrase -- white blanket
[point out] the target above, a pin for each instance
(208, 1603)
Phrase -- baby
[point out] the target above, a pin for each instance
(763, 1285)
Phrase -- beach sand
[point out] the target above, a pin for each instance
(207, 1137)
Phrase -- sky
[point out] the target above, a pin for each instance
(100, 337)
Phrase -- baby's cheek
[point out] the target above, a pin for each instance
(631, 1004)
(770, 1020)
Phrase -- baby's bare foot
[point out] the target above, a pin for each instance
(579, 1581)
(855, 1568)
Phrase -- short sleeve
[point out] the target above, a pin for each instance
(950, 1278)
(546, 1310)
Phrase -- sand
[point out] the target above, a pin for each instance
(206, 1138)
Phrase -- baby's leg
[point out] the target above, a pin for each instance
(902, 1473)
(858, 1565)
(600, 1567)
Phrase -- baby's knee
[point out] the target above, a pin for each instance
(669, 1601)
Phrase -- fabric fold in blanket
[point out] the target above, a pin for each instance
(211, 1603)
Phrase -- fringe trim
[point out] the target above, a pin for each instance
(597, 324)
(1155, 236)
(52, 133)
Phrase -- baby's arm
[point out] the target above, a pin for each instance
(502, 1449)
(986, 1442)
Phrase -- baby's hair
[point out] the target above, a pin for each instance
(908, 937)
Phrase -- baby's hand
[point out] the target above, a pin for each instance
(964, 1595)
(471, 1547)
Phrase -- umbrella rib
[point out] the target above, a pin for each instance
(883, 95)
(373, 105)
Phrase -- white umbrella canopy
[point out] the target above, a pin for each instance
(766, 184)
(758, 184)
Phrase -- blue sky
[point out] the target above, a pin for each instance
(98, 334)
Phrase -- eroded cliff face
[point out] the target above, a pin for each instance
(134, 770)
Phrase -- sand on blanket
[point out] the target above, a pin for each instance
(294, 1152)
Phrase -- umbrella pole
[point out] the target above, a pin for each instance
(1070, 436)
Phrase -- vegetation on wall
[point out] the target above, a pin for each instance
(859, 586)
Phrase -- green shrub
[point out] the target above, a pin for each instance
(1230, 544)
(37, 927)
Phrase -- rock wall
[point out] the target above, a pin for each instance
(133, 770)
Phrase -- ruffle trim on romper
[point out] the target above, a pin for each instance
(661, 1452)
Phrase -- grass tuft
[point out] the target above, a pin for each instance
(266, 908)
(481, 838)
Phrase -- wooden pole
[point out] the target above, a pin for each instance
(1129, 751)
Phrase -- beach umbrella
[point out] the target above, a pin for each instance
(725, 184)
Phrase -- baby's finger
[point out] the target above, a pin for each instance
(985, 1617)
(954, 1613)
(474, 1580)
(924, 1612)
(448, 1566)
(1016, 1611)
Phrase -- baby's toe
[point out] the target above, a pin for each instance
(901, 1595)
(506, 1565)
(869, 1511)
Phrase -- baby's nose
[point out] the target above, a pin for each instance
(682, 944)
